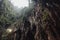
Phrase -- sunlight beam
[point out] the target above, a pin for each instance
(20, 3)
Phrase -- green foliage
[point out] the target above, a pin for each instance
(6, 16)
